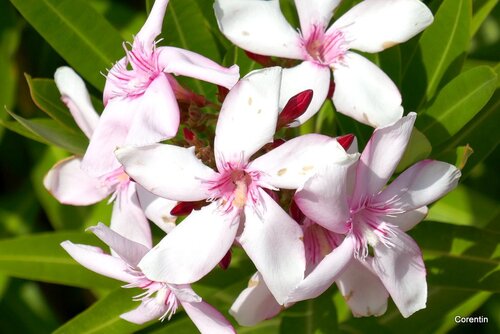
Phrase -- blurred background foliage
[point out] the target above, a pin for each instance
(448, 74)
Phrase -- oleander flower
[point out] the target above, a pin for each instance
(140, 105)
(241, 209)
(362, 90)
(160, 300)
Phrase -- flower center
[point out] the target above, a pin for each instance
(133, 75)
(324, 47)
(235, 187)
(318, 243)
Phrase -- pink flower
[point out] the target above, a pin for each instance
(353, 200)
(160, 299)
(69, 184)
(241, 209)
(362, 90)
(140, 105)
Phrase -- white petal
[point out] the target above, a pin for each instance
(110, 133)
(325, 273)
(193, 248)
(315, 12)
(380, 158)
(93, 258)
(300, 78)
(323, 197)
(76, 96)
(363, 291)
(258, 27)
(402, 271)
(207, 319)
(374, 25)
(364, 92)
(420, 185)
(156, 115)
(130, 251)
(157, 209)
(407, 220)
(247, 120)
(272, 231)
(168, 171)
(149, 310)
(128, 219)
(153, 24)
(187, 63)
(291, 164)
(69, 184)
(255, 303)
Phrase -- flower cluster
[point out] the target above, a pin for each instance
(308, 211)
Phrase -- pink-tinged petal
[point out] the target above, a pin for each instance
(156, 114)
(255, 303)
(380, 158)
(168, 171)
(272, 231)
(247, 120)
(315, 12)
(111, 87)
(150, 309)
(207, 319)
(305, 76)
(402, 271)
(93, 258)
(291, 164)
(363, 291)
(193, 248)
(420, 185)
(190, 64)
(258, 27)
(323, 198)
(153, 24)
(157, 209)
(364, 92)
(128, 219)
(69, 184)
(325, 273)
(374, 25)
(76, 97)
(407, 220)
(130, 251)
(110, 133)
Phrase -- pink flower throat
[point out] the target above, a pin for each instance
(324, 47)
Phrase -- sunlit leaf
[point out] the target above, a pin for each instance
(457, 103)
(481, 13)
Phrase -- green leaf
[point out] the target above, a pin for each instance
(457, 103)
(465, 206)
(390, 62)
(316, 316)
(46, 96)
(439, 55)
(478, 134)
(104, 315)
(51, 132)
(325, 119)
(20, 129)
(40, 257)
(481, 13)
(418, 148)
(77, 32)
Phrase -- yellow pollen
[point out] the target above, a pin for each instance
(240, 193)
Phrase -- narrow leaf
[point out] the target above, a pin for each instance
(481, 13)
(40, 257)
(50, 131)
(457, 103)
(77, 32)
